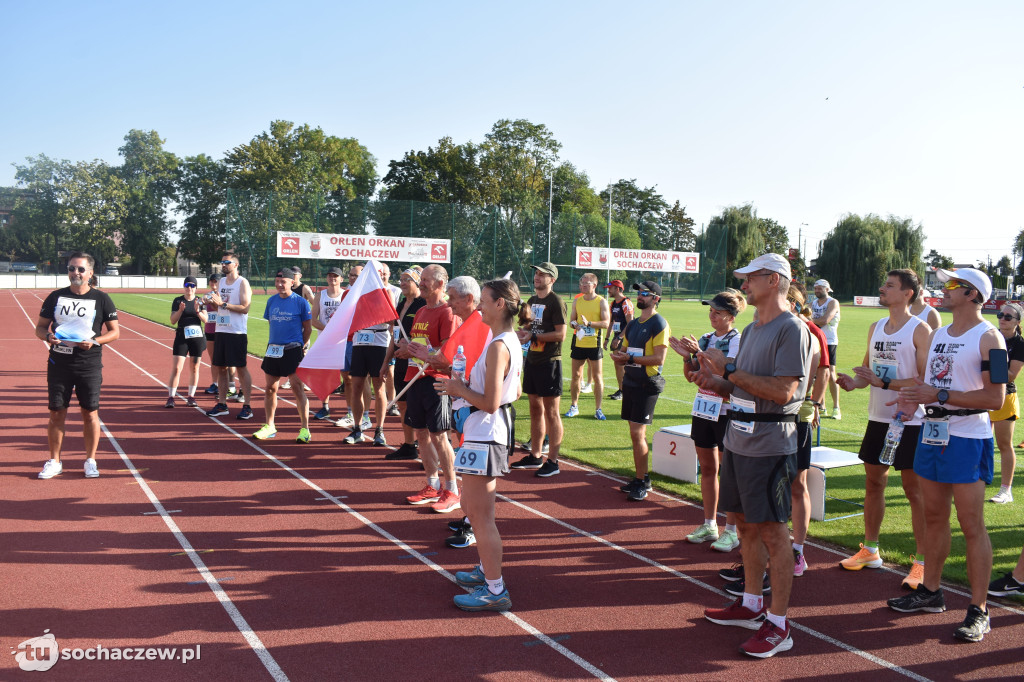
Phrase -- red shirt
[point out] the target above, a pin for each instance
(431, 326)
(822, 343)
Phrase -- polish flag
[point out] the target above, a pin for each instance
(367, 303)
(473, 336)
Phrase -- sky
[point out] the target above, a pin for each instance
(807, 110)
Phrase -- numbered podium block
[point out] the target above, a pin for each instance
(674, 454)
(823, 459)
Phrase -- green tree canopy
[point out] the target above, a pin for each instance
(859, 251)
(937, 260)
(150, 176)
(200, 197)
(449, 173)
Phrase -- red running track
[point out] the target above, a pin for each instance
(284, 561)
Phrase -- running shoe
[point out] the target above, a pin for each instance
(837, 414)
(355, 437)
(1002, 497)
(448, 501)
(768, 641)
(703, 533)
(472, 578)
(91, 470)
(212, 389)
(586, 388)
(304, 436)
(799, 563)
(458, 524)
(976, 625)
(915, 576)
(232, 391)
(265, 432)
(191, 402)
(573, 411)
(921, 599)
(407, 451)
(218, 410)
(528, 446)
(482, 599)
(51, 468)
(286, 385)
(365, 424)
(393, 411)
(629, 486)
(599, 415)
(428, 495)
(733, 573)
(864, 558)
(528, 462)
(323, 413)
(615, 396)
(378, 438)
(1003, 587)
(464, 537)
(340, 390)
(170, 402)
(737, 587)
(547, 469)
(638, 493)
(738, 615)
(727, 541)
(346, 422)
(245, 413)
(238, 397)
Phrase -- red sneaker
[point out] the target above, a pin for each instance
(768, 641)
(427, 495)
(447, 502)
(737, 614)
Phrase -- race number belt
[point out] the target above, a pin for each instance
(936, 412)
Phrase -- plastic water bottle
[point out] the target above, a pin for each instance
(459, 365)
(892, 440)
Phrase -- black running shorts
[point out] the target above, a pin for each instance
(543, 379)
(426, 409)
(85, 381)
(285, 365)
(230, 350)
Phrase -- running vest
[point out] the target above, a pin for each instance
(722, 343)
(954, 363)
(831, 330)
(925, 312)
(229, 322)
(592, 311)
(328, 306)
(619, 310)
(492, 427)
(891, 356)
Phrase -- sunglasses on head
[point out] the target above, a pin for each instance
(1006, 316)
(953, 284)
(79, 269)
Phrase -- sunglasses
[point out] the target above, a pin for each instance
(190, 286)
(227, 262)
(646, 293)
(953, 284)
(79, 269)
(1006, 316)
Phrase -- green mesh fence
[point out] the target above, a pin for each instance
(486, 242)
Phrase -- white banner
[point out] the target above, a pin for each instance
(866, 300)
(597, 258)
(362, 247)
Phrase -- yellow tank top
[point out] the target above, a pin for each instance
(588, 337)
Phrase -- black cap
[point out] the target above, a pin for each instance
(720, 302)
(191, 280)
(335, 271)
(648, 285)
(287, 273)
(214, 277)
(296, 269)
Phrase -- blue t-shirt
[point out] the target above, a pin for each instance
(286, 316)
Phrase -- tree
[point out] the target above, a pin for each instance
(674, 231)
(937, 260)
(150, 175)
(858, 252)
(572, 191)
(741, 229)
(776, 237)
(1018, 253)
(449, 173)
(200, 197)
(642, 207)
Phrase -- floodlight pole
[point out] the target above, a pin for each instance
(551, 194)
(608, 274)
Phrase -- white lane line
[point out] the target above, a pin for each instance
(225, 601)
(524, 625)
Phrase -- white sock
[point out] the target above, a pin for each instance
(453, 486)
(711, 522)
(753, 602)
(777, 621)
(731, 527)
(1004, 488)
(495, 586)
(799, 548)
(434, 482)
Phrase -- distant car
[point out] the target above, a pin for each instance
(112, 272)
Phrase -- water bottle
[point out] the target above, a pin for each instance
(892, 440)
(459, 365)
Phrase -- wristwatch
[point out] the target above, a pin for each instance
(730, 367)
(943, 396)
(885, 384)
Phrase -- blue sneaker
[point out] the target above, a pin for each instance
(599, 415)
(573, 411)
(481, 599)
(322, 413)
(471, 578)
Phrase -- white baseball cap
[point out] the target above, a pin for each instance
(769, 261)
(976, 278)
(823, 283)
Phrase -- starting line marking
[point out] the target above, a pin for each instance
(166, 511)
(193, 551)
(203, 582)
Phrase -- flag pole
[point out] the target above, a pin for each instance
(406, 388)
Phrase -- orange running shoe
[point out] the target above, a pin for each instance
(865, 557)
(915, 576)
(447, 502)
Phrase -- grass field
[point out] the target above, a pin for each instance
(606, 444)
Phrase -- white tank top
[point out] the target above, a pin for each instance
(954, 363)
(328, 305)
(925, 312)
(892, 356)
(229, 322)
(484, 426)
(830, 330)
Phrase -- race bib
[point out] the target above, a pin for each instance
(415, 361)
(616, 327)
(584, 332)
(398, 334)
(223, 319)
(363, 339)
(739, 405)
(275, 350)
(634, 352)
(707, 406)
(884, 370)
(193, 331)
(62, 349)
(472, 458)
(935, 432)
